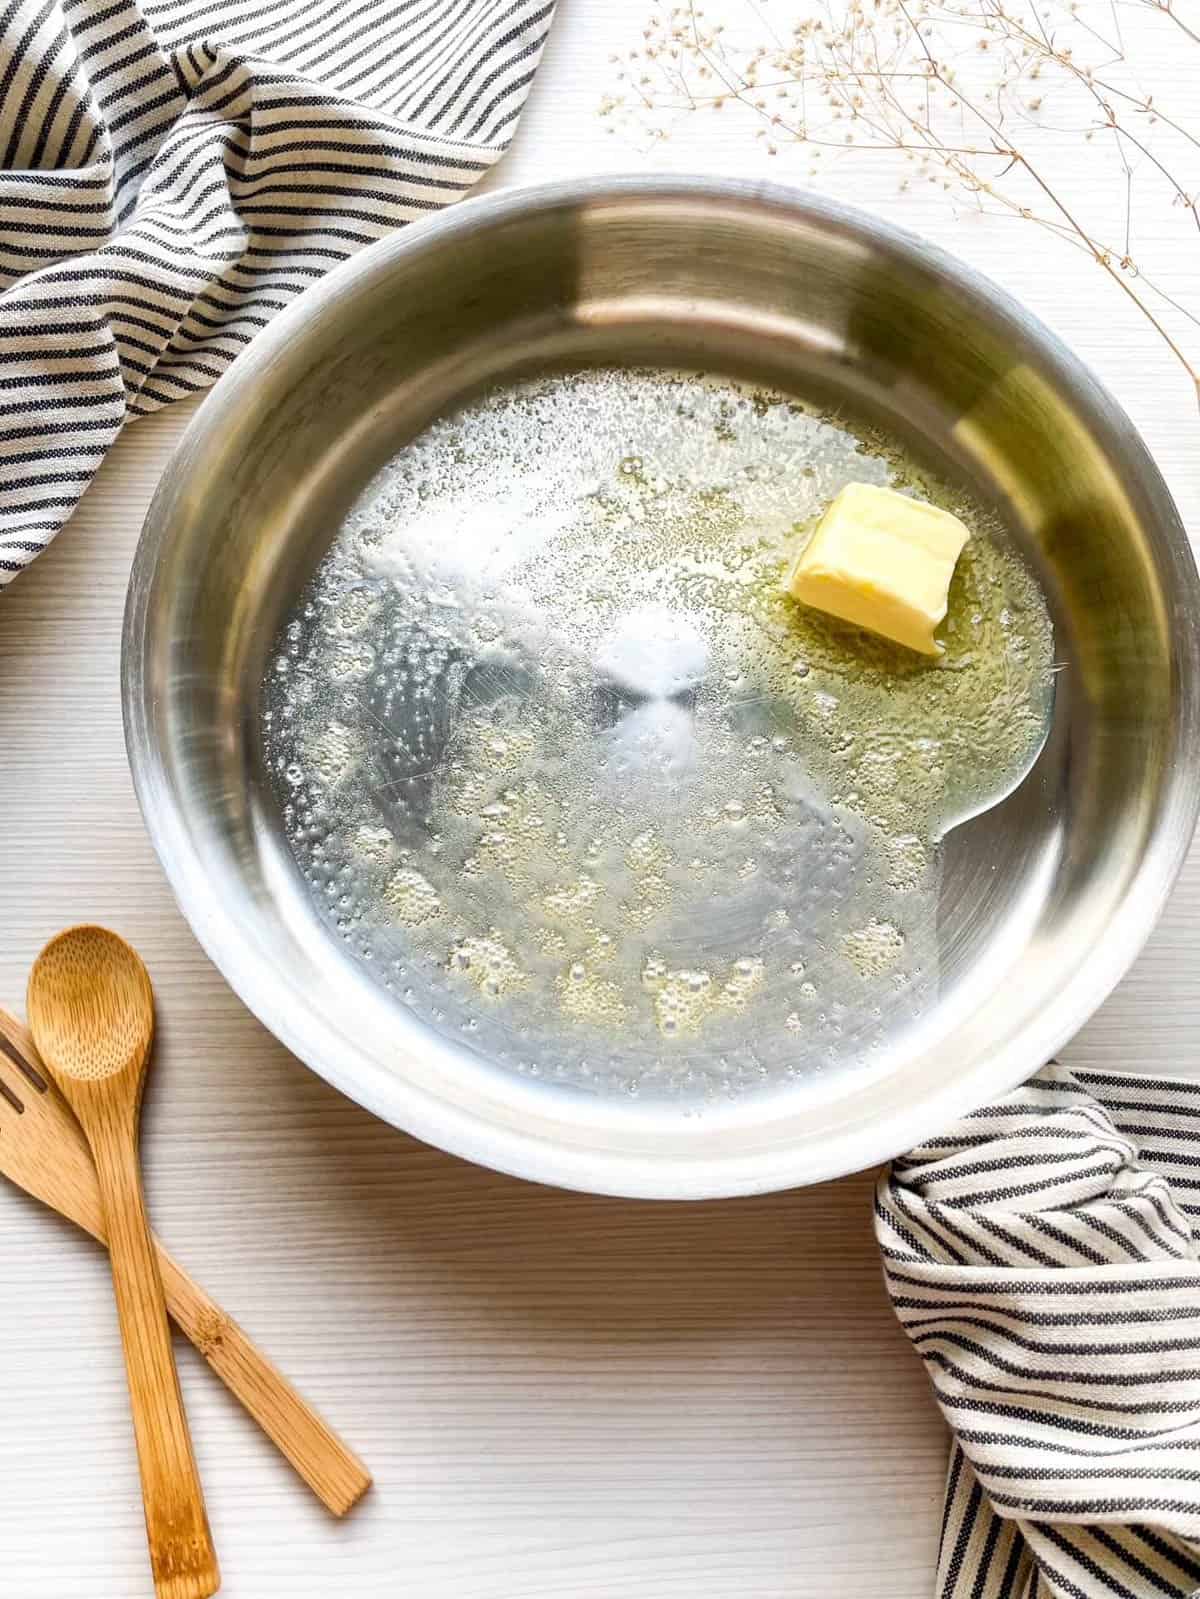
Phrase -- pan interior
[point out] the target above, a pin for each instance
(578, 784)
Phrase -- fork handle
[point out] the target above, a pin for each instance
(334, 1473)
(182, 1557)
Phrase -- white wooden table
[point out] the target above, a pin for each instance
(559, 1396)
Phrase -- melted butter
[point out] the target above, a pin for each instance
(567, 768)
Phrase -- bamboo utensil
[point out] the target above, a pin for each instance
(91, 1010)
(43, 1151)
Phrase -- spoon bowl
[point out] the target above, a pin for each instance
(91, 1007)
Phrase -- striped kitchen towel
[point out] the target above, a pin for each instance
(1042, 1258)
(175, 171)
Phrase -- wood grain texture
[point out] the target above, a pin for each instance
(561, 1397)
(91, 1012)
(44, 1150)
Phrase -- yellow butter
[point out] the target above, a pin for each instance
(883, 562)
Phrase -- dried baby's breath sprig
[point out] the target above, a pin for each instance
(981, 97)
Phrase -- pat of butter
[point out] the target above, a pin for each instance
(883, 562)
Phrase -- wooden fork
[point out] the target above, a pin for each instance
(43, 1151)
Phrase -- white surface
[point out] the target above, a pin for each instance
(559, 1396)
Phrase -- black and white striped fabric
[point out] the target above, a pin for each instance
(1042, 1258)
(173, 172)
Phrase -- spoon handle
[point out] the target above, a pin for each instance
(181, 1552)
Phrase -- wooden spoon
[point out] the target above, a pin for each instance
(91, 1010)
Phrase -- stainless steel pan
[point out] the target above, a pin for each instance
(1046, 898)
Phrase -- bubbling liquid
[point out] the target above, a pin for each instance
(576, 779)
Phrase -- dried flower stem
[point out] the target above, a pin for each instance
(886, 75)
